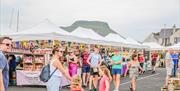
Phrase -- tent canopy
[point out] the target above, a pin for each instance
(44, 27)
(90, 36)
(6, 31)
(153, 45)
(175, 47)
(45, 30)
(132, 41)
(115, 37)
(86, 33)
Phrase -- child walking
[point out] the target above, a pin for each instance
(105, 78)
(76, 83)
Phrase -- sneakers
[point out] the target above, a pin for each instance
(84, 86)
(93, 89)
(153, 72)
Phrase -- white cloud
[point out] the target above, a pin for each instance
(128, 16)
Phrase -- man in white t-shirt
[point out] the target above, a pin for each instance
(169, 65)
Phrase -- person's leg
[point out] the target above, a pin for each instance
(141, 64)
(84, 75)
(133, 84)
(117, 81)
(90, 82)
(95, 81)
(114, 80)
(169, 73)
(87, 77)
(114, 77)
(152, 65)
(91, 79)
(84, 78)
(178, 63)
(166, 81)
(87, 74)
(174, 70)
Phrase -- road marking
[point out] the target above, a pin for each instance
(140, 79)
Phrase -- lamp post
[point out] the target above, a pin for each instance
(164, 35)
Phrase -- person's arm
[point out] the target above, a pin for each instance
(1, 81)
(119, 62)
(60, 67)
(107, 85)
(88, 60)
(100, 71)
(128, 65)
(111, 62)
(100, 62)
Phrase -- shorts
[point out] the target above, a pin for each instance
(116, 71)
(85, 69)
(94, 73)
(133, 76)
(169, 71)
(153, 63)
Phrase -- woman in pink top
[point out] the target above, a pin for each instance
(72, 62)
(105, 80)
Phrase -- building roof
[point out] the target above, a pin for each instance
(166, 33)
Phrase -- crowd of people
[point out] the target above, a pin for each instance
(90, 67)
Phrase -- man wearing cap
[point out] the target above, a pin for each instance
(116, 61)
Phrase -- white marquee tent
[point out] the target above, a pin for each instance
(89, 35)
(45, 30)
(154, 45)
(175, 46)
(6, 31)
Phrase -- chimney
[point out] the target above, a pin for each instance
(174, 28)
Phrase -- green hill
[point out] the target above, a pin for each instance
(101, 28)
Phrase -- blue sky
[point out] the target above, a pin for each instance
(132, 18)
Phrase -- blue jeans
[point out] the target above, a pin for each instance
(54, 83)
(174, 69)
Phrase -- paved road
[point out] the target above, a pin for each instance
(146, 82)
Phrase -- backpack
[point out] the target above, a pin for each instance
(45, 73)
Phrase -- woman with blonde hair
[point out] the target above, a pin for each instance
(105, 78)
(76, 83)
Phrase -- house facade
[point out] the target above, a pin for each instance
(166, 37)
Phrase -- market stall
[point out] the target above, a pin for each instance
(174, 47)
(30, 45)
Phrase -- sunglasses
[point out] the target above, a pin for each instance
(59, 51)
(9, 45)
